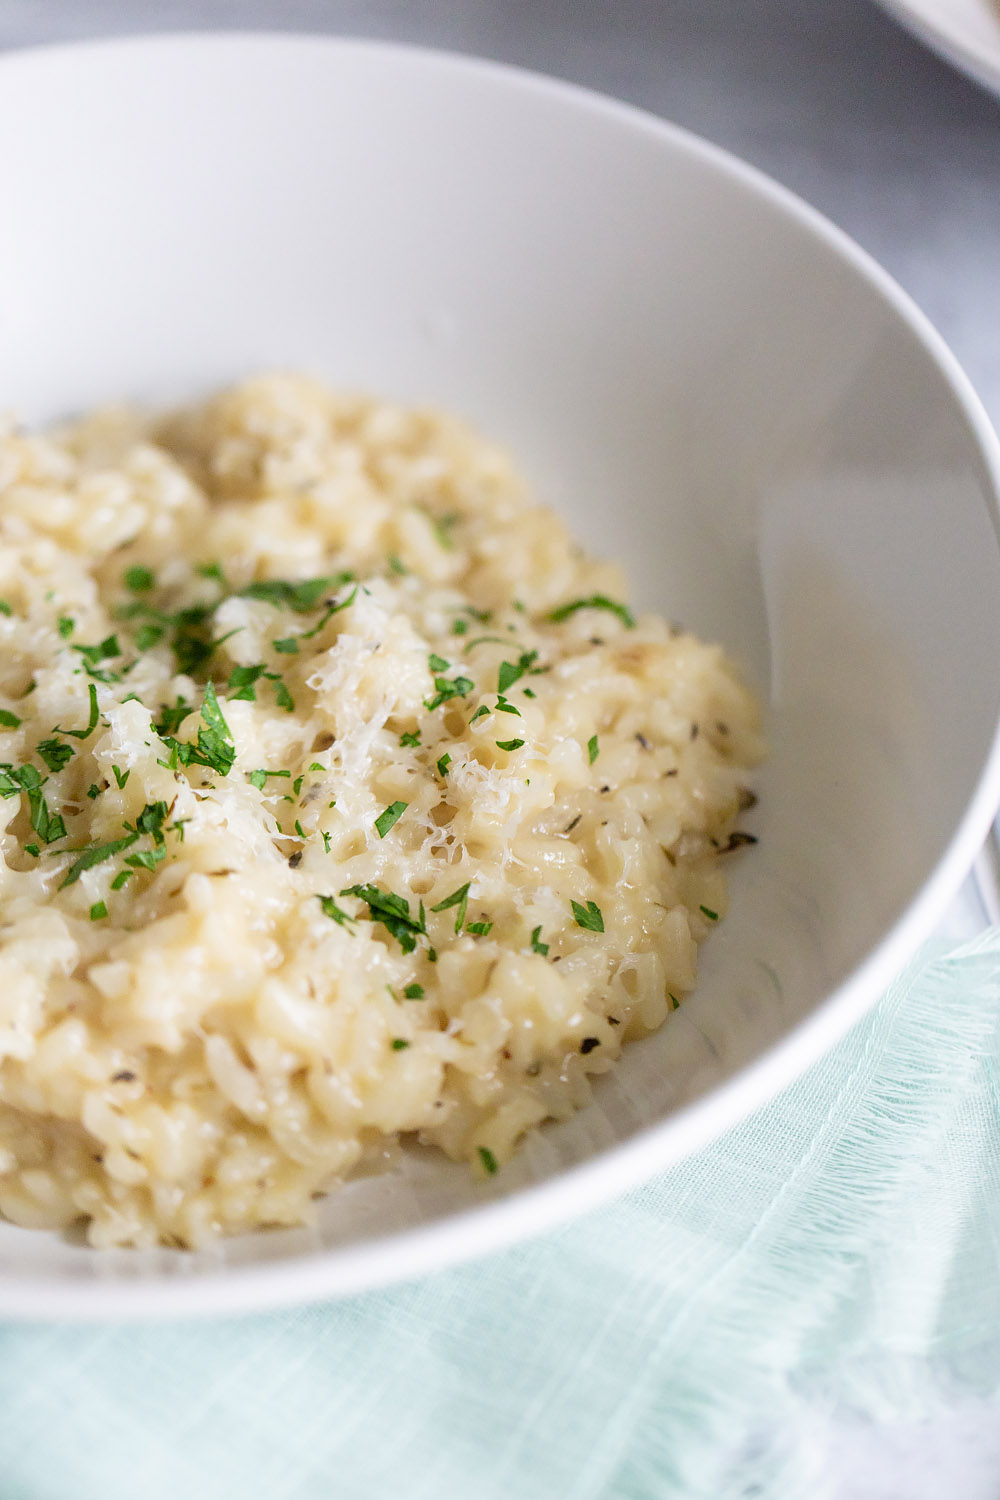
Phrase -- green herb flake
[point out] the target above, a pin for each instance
(530, 693)
(393, 912)
(459, 898)
(121, 777)
(488, 1160)
(299, 829)
(210, 570)
(215, 741)
(82, 734)
(413, 992)
(390, 817)
(96, 855)
(509, 744)
(5, 608)
(713, 916)
(595, 601)
(410, 740)
(65, 626)
(242, 679)
(121, 879)
(55, 754)
(287, 645)
(297, 785)
(33, 850)
(282, 696)
(443, 764)
(503, 707)
(302, 597)
(93, 791)
(97, 911)
(8, 720)
(511, 672)
(139, 580)
(442, 526)
(537, 946)
(459, 627)
(146, 859)
(399, 1044)
(397, 565)
(326, 843)
(588, 917)
(334, 912)
(148, 636)
(593, 749)
(479, 929)
(447, 688)
(171, 718)
(482, 709)
(438, 663)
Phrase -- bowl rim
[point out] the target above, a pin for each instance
(498, 1223)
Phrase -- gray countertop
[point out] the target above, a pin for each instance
(834, 100)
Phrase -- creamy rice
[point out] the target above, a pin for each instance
(341, 798)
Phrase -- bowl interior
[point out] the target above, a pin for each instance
(695, 370)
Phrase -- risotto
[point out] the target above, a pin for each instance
(342, 799)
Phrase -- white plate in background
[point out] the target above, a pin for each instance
(966, 32)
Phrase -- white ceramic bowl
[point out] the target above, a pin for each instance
(709, 379)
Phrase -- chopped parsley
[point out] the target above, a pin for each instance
(509, 744)
(413, 992)
(390, 817)
(243, 680)
(488, 1160)
(537, 946)
(397, 565)
(438, 663)
(482, 709)
(282, 696)
(214, 747)
(410, 740)
(299, 829)
(447, 688)
(595, 601)
(96, 855)
(443, 764)
(288, 645)
(82, 734)
(399, 1044)
(302, 597)
(459, 898)
(593, 749)
(49, 827)
(66, 626)
(148, 636)
(503, 707)
(139, 580)
(442, 527)
(589, 917)
(510, 672)
(55, 754)
(211, 570)
(713, 916)
(97, 911)
(8, 720)
(171, 718)
(479, 929)
(93, 791)
(122, 878)
(393, 912)
(334, 912)
(120, 776)
(459, 627)
(5, 608)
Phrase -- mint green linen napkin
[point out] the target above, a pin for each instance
(839, 1248)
